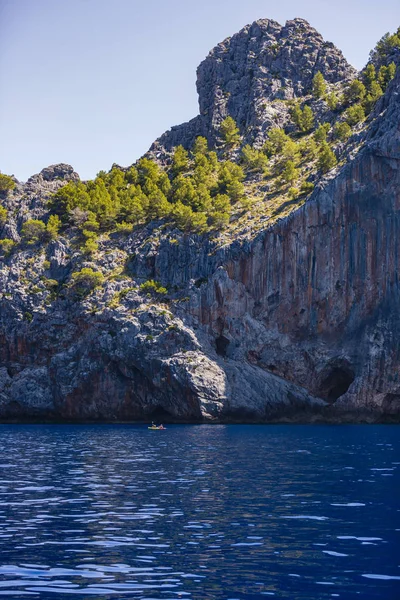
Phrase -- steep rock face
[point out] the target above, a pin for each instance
(298, 321)
(250, 76)
(314, 299)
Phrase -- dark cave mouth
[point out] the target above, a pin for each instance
(221, 345)
(160, 414)
(336, 382)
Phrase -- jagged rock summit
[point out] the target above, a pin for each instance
(290, 313)
(250, 75)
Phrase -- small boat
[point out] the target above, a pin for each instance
(156, 428)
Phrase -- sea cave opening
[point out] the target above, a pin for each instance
(336, 381)
(221, 345)
(160, 414)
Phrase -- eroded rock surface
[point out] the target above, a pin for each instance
(297, 321)
(251, 75)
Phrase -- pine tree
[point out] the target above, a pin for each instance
(321, 133)
(355, 92)
(180, 161)
(332, 101)
(308, 119)
(386, 74)
(374, 93)
(33, 231)
(354, 114)
(290, 174)
(369, 75)
(327, 159)
(200, 145)
(304, 119)
(221, 211)
(318, 85)
(230, 132)
(277, 138)
(342, 131)
(159, 207)
(7, 183)
(254, 160)
(52, 227)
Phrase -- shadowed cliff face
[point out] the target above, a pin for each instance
(298, 320)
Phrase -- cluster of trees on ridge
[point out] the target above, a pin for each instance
(197, 191)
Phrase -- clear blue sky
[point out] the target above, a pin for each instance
(92, 82)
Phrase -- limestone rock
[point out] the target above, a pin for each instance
(297, 321)
(252, 75)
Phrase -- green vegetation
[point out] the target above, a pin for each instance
(6, 246)
(198, 190)
(318, 85)
(153, 287)
(86, 280)
(52, 227)
(3, 215)
(332, 100)
(355, 92)
(195, 193)
(33, 231)
(303, 119)
(7, 183)
(320, 134)
(385, 47)
(327, 159)
(290, 174)
(341, 131)
(354, 115)
(386, 74)
(254, 160)
(306, 187)
(230, 132)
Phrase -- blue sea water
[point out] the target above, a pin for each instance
(200, 512)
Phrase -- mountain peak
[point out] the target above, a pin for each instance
(245, 74)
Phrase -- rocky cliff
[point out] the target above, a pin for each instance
(287, 318)
(251, 75)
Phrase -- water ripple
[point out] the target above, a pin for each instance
(204, 512)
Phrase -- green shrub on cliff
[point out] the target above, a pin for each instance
(303, 119)
(53, 227)
(342, 131)
(354, 115)
(385, 46)
(3, 215)
(7, 183)
(180, 161)
(290, 174)
(6, 246)
(321, 133)
(86, 280)
(306, 187)
(327, 159)
(355, 92)
(277, 138)
(153, 287)
(386, 74)
(332, 100)
(229, 132)
(318, 85)
(33, 231)
(221, 211)
(254, 160)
